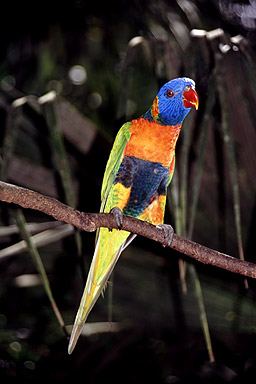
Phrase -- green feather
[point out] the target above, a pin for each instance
(171, 172)
(114, 162)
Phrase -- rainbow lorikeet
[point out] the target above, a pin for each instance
(138, 172)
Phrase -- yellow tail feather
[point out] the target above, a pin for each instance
(109, 246)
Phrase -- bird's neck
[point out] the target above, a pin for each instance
(152, 114)
(152, 141)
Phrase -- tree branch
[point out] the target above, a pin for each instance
(91, 221)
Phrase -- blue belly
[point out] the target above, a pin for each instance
(147, 180)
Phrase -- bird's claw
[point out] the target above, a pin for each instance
(168, 233)
(118, 215)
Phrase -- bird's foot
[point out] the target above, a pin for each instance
(168, 233)
(118, 215)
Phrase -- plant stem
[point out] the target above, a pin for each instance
(21, 222)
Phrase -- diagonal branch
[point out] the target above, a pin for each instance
(91, 221)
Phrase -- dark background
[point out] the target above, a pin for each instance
(159, 337)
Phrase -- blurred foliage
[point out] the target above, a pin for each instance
(106, 61)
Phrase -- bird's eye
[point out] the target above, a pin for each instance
(169, 93)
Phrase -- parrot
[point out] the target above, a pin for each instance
(139, 169)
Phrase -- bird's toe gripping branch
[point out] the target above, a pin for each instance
(168, 233)
(118, 215)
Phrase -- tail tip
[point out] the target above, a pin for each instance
(76, 331)
(70, 349)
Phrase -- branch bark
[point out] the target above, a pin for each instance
(91, 221)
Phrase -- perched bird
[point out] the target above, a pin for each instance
(138, 172)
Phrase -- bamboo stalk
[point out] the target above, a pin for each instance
(204, 129)
(202, 310)
(48, 103)
(229, 143)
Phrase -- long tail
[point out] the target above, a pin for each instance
(107, 251)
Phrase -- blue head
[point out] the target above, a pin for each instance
(173, 102)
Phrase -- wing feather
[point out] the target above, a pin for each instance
(171, 170)
(114, 161)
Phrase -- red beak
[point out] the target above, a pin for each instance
(190, 99)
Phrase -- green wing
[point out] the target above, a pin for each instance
(114, 161)
(171, 170)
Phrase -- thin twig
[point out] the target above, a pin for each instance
(91, 221)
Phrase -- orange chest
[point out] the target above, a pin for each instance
(152, 141)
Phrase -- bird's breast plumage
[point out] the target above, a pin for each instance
(152, 141)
